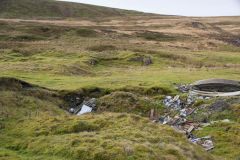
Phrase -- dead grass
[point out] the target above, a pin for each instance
(102, 57)
(101, 48)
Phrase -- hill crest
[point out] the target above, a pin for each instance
(57, 10)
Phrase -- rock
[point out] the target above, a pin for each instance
(92, 62)
(147, 61)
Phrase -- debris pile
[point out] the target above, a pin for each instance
(88, 105)
(205, 142)
(177, 117)
(184, 88)
(172, 102)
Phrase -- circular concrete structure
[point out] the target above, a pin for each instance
(216, 87)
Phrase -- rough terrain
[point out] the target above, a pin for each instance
(130, 62)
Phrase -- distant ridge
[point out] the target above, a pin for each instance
(56, 9)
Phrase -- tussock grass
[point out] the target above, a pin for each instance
(103, 136)
(33, 125)
(128, 102)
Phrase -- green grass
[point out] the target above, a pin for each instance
(74, 70)
(226, 139)
(119, 78)
(103, 136)
(130, 103)
(106, 60)
(225, 135)
(33, 126)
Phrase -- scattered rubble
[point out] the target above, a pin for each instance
(177, 117)
(85, 107)
(180, 110)
(184, 88)
(205, 142)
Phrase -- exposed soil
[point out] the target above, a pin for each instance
(13, 84)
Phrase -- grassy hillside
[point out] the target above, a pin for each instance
(55, 9)
(105, 136)
(71, 55)
(33, 126)
(130, 63)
